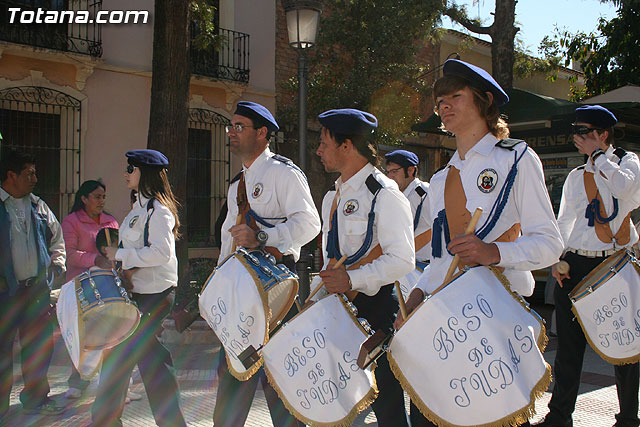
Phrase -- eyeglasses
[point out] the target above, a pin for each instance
(237, 128)
(131, 168)
(583, 130)
(393, 170)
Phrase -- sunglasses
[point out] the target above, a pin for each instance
(583, 130)
(130, 169)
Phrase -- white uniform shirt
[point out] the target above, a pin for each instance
(158, 265)
(275, 191)
(24, 251)
(619, 181)
(423, 223)
(393, 229)
(540, 244)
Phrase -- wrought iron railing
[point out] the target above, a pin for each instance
(85, 38)
(231, 62)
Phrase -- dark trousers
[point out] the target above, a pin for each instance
(28, 314)
(234, 399)
(570, 354)
(380, 311)
(142, 348)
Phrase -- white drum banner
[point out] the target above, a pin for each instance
(87, 362)
(311, 362)
(470, 355)
(607, 304)
(235, 306)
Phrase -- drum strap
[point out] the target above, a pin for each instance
(247, 216)
(455, 201)
(597, 215)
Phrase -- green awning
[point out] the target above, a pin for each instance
(523, 106)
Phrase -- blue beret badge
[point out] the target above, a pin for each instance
(487, 180)
(350, 207)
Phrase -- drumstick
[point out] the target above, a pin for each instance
(456, 259)
(336, 265)
(562, 267)
(107, 235)
(403, 306)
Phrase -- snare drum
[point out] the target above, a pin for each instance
(108, 315)
(311, 363)
(470, 354)
(607, 305)
(244, 298)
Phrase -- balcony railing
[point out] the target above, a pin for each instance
(67, 37)
(231, 62)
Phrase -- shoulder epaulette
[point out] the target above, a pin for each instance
(236, 178)
(287, 161)
(332, 188)
(440, 168)
(580, 167)
(372, 184)
(620, 152)
(421, 191)
(508, 143)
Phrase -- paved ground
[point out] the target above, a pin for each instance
(195, 365)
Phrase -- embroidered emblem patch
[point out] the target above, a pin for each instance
(133, 221)
(350, 207)
(257, 191)
(487, 180)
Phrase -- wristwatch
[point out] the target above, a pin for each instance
(261, 237)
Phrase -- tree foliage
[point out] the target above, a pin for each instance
(610, 56)
(366, 58)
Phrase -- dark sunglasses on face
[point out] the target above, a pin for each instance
(130, 169)
(582, 130)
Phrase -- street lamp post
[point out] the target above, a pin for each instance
(302, 25)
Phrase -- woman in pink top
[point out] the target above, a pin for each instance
(81, 226)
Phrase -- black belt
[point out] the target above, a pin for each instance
(27, 282)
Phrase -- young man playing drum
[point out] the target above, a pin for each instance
(380, 249)
(282, 218)
(517, 230)
(402, 167)
(588, 239)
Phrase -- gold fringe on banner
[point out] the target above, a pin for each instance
(363, 404)
(514, 419)
(609, 359)
(245, 375)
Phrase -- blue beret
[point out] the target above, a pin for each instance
(595, 115)
(348, 121)
(403, 158)
(477, 77)
(147, 157)
(257, 112)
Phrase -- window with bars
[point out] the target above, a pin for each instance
(209, 169)
(45, 123)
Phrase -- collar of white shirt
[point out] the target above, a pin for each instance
(411, 187)
(484, 147)
(357, 180)
(4, 195)
(259, 161)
